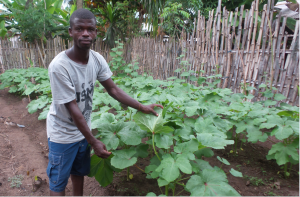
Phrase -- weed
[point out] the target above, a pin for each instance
(238, 167)
(122, 189)
(264, 172)
(15, 181)
(255, 181)
(271, 193)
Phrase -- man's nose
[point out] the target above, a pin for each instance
(85, 32)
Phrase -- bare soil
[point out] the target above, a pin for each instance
(24, 151)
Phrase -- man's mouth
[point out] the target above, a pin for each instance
(86, 41)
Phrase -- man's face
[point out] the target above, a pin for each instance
(83, 32)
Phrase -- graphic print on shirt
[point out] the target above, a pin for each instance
(85, 96)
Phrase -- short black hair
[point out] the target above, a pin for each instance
(81, 14)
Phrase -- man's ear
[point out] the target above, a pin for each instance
(70, 31)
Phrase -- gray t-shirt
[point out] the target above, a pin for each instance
(70, 80)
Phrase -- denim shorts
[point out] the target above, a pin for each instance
(66, 159)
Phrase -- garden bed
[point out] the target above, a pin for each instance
(24, 152)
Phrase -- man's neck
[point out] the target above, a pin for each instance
(79, 56)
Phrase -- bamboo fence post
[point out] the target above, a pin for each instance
(218, 32)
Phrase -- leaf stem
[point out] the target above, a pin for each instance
(140, 168)
(180, 184)
(160, 190)
(179, 192)
(271, 141)
(154, 147)
(184, 179)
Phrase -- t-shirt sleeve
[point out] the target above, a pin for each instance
(104, 72)
(63, 90)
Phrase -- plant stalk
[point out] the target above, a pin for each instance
(128, 174)
(167, 190)
(235, 144)
(154, 147)
(285, 170)
(174, 189)
(241, 141)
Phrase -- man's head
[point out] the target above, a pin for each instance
(81, 14)
(83, 28)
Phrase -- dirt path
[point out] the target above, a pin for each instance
(23, 151)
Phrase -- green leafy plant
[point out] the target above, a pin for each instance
(32, 82)
(15, 181)
(254, 180)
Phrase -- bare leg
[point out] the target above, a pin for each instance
(77, 182)
(52, 193)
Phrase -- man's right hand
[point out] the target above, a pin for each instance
(100, 149)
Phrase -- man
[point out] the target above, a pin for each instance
(72, 76)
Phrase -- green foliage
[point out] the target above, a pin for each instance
(174, 19)
(120, 19)
(210, 182)
(216, 112)
(39, 19)
(3, 30)
(33, 82)
(255, 181)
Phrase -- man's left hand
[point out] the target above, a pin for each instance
(147, 109)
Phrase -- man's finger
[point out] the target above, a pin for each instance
(158, 105)
(154, 112)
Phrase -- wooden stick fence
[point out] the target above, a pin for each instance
(243, 46)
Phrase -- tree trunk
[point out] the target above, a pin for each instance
(79, 4)
(28, 2)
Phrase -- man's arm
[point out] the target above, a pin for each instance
(118, 94)
(80, 122)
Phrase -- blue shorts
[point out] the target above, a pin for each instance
(66, 159)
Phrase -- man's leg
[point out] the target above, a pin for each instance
(77, 182)
(52, 193)
(61, 158)
(81, 167)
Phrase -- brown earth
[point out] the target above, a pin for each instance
(23, 151)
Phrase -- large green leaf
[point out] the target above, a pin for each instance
(256, 135)
(104, 119)
(102, 170)
(187, 147)
(163, 141)
(210, 182)
(169, 167)
(206, 126)
(34, 105)
(272, 121)
(151, 123)
(199, 165)
(283, 152)
(142, 150)
(206, 152)
(123, 158)
(213, 141)
(130, 134)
